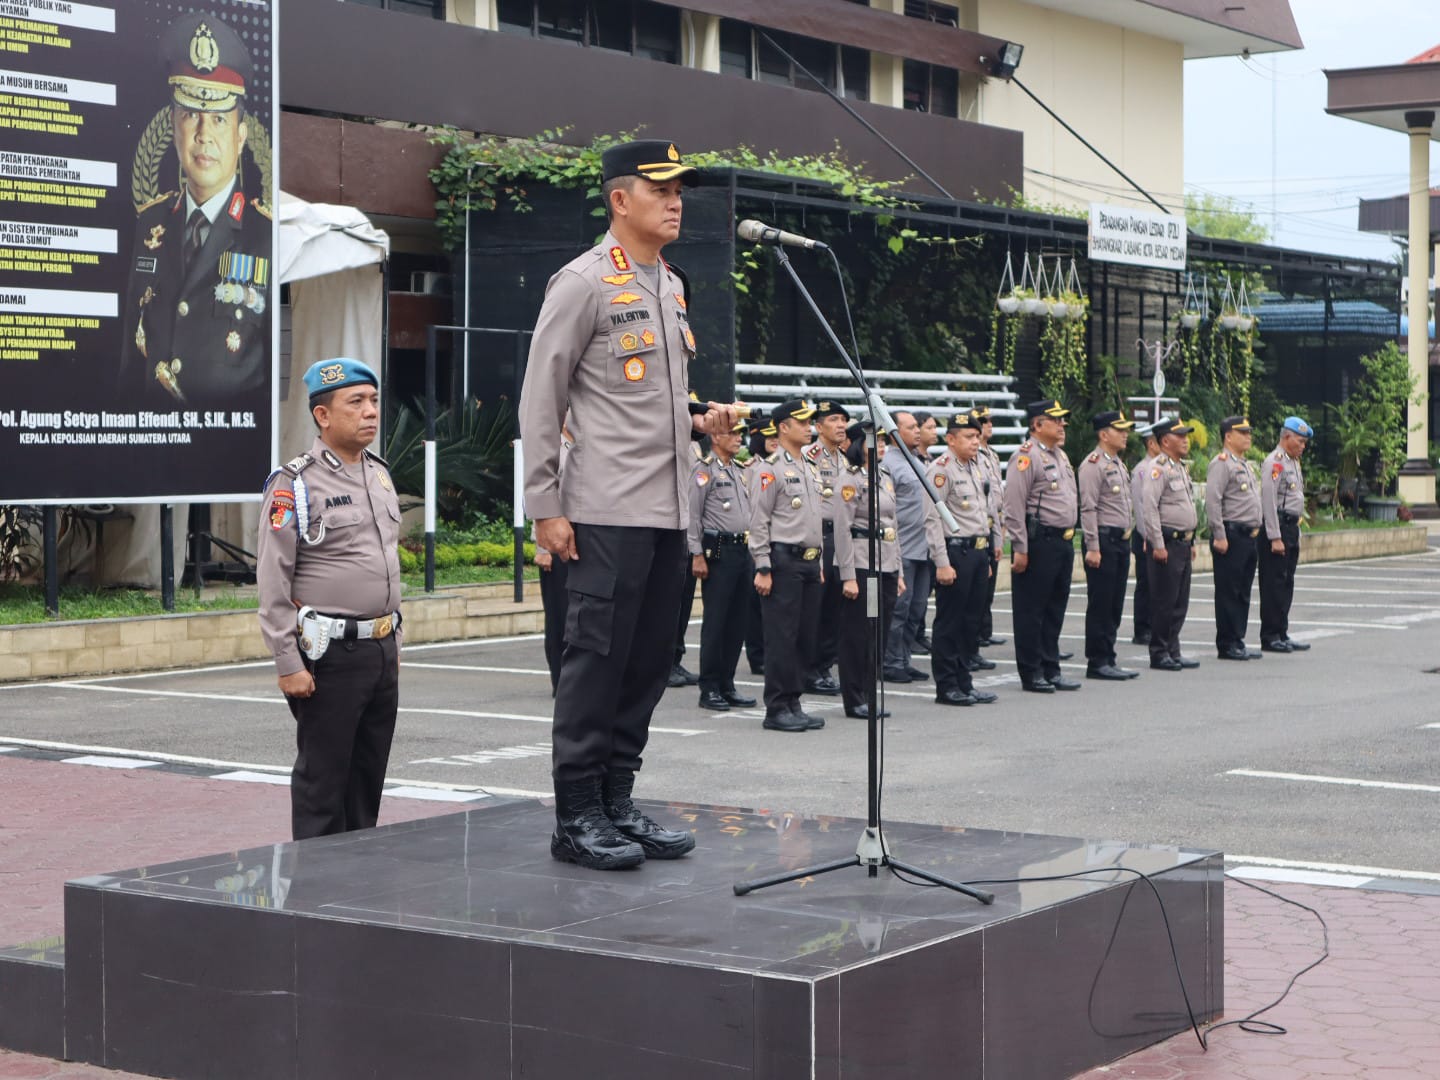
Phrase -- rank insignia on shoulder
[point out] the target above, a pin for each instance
(156, 233)
(1022, 462)
(1224, 456)
(943, 460)
(236, 208)
(626, 298)
(1094, 458)
(619, 259)
(1025, 445)
(282, 509)
(618, 279)
(702, 478)
(383, 477)
(680, 299)
(690, 339)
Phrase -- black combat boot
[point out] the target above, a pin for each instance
(657, 842)
(584, 834)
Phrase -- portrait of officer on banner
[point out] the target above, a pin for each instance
(196, 320)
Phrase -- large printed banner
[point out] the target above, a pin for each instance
(137, 295)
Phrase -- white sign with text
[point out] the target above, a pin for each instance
(1120, 234)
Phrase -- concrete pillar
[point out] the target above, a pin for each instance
(1417, 477)
(887, 73)
(706, 29)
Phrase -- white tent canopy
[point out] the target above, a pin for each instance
(332, 259)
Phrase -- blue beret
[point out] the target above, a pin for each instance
(1299, 427)
(326, 375)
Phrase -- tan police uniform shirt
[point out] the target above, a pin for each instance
(1104, 487)
(354, 569)
(854, 498)
(962, 485)
(787, 506)
(831, 465)
(1281, 488)
(1169, 498)
(1137, 491)
(994, 472)
(615, 352)
(719, 501)
(1232, 494)
(1039, 482)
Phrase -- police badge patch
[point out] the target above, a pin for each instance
(282, 509)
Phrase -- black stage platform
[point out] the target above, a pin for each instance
(455, 947)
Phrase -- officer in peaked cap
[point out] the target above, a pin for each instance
(1041, 505)
(197, 315)
(1105, 523)
(995, 478)
(1282, 501)
(1170, 517)
(1232, 507)
(827, 454)
(328, 570)
(764, 441)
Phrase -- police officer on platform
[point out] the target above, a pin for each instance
(720, 561)
(786, 535)
(1106, 521)
(1232, 507)
(1170, 518)
(827, 454)
(1282, 501)
(328, 569)
(1041, 505)
(613, 346)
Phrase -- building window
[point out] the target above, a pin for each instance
(431, 9)
(945, 14)
(932, 89)
(744, 52)
(635, 27)
(737, 49)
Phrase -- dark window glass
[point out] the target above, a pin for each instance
(368, 3)
(856, 65)
(944, 91)
(817, 57)
(431, 9)
(610, 25)
(516, 16)
(917, 86)
(562, 20)
(735, 48)
(657, 31)
(933, 12)
(774, 68)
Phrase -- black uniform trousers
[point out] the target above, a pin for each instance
(1234, 578)
(624, 596)
(987, 613)
(792, 611)
(957, 616)
(1277, 582)
(554, 599)
(1105, 596)
(857, 643)
(1169, 598)
(1038, 599)
(755, 634)
(726, 591)
(825, 650)
(343, 733)
(1141, 600)
(687, 606)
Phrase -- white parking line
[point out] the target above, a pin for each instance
(1343, 781)
(1331, 868)
(110, 762)
(1299, 877)
(475, 667)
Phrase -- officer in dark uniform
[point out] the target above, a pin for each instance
(328, 569)
(613, 346)
(1170, 518)
(763, 442)
(1105, 524)
(1232, 507)
(827, 454)
(720, 559)
(1282, 501)
(197, 315)
(786, 535)
(1041, 505)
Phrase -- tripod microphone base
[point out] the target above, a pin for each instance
(871, 854)
(743, 887)
(935, 879)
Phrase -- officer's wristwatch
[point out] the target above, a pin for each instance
(762, 569)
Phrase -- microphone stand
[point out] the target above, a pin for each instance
(871, 852)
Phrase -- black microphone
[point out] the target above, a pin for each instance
(757, 232)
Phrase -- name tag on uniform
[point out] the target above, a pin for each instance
(144, 264)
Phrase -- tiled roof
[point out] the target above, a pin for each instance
(1429, 56)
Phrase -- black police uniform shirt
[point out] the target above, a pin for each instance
(206, 321)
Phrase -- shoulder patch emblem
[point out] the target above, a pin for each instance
(1155, 473)
(282, 509)
(648, 337)
(680, 299)
(619, 259)
(626, 298)
(1022, 463)
(1275, 470)
(634, 369)
(940, 480)
(766, 479)
(702, 478)
(237, 205)
(629, 341)
(847, 492)
(618, 279)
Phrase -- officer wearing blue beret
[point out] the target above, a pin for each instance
(328, 567)
(197, 316)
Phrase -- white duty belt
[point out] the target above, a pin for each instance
(317, 630)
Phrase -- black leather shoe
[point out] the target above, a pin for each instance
(1166, 663)
(1038, 686)
(862, 712)
(585, 835)
(1060, 682)
(954, 697)
(1254, 654)
(1126, 672)
(739, 700)
(654, 839)
(1067, 656)
(1275, 646)
(713, 699)
(785, 722)
(824, 685)
(892, 675)
(983, 697)
(812, 722)
(1108, 672)
(675, 678)
(691, 679)
(979, 663)
(920, 645)
(916, 675)
(1186, 663)
(1234, 653)
(985, 642)
(1297, 646)
(1140, 639)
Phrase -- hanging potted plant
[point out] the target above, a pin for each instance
(1007, 297)
(1244, 317)
(1196, 306)
(1032, 286)
(1229, 306)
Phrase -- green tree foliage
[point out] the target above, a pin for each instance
(1221, 218)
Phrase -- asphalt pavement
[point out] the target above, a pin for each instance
(1325, 759)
